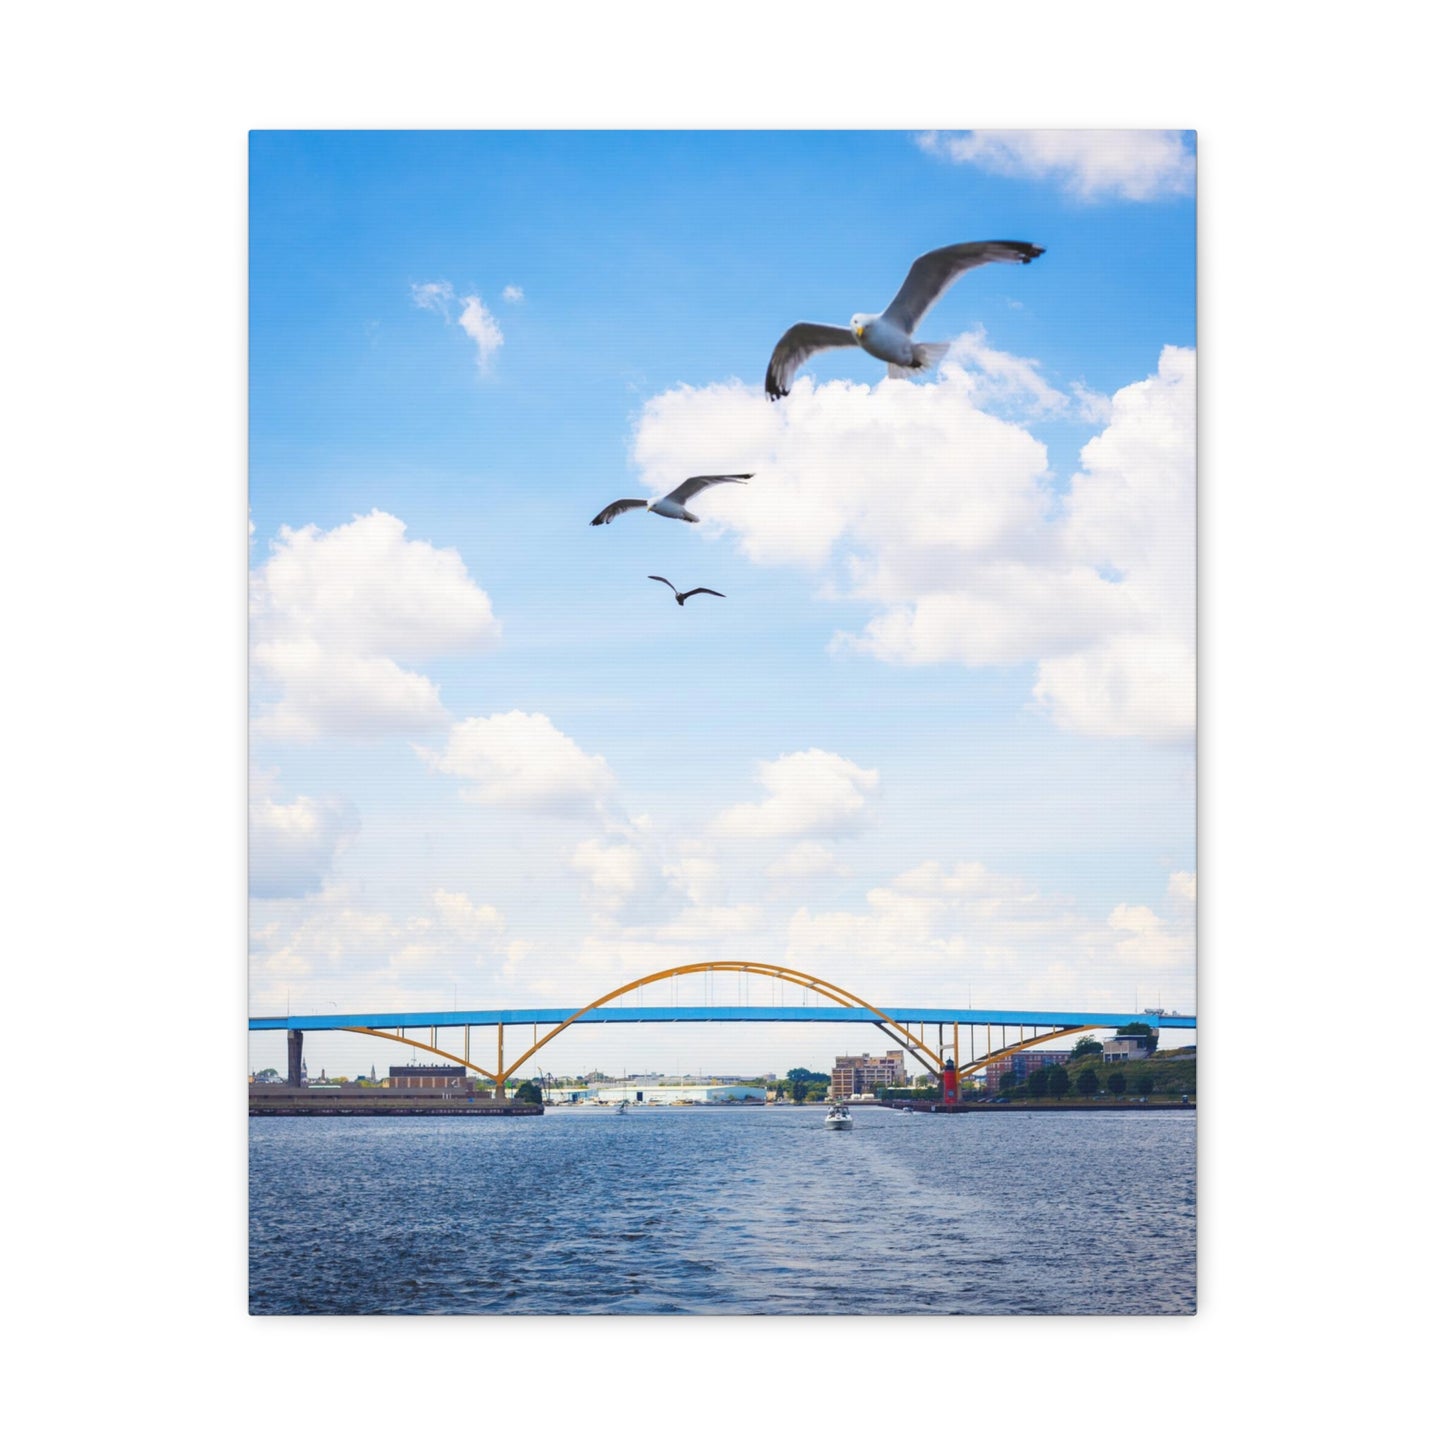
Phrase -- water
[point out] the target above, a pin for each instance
(725, 1211)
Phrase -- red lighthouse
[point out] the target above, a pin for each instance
(950, 1082)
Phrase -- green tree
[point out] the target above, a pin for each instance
(1088, 1084)
(1088, 1045)
(528, 1092)
(1038, 1083)
(816, 1093)
(1058, 1081)
(268, 1076)
(800, 1090)
(1117, 1084)
(1145, 1084)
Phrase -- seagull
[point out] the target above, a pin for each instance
(672, 504)
(683, 596)
(889, 337)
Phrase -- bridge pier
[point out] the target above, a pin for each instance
(293, 1058)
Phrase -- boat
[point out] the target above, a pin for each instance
(621, 1108)
(838, 1117)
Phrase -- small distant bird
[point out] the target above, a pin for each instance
(672, 504)
(683, 596)
(889, 336)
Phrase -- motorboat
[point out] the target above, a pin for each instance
(838, 1117)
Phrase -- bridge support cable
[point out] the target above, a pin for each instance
(1007, 1050)
(904, 1043)
(899, 1033)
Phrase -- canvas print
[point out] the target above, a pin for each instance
(722, 723)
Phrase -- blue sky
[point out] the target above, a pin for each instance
(937, 740)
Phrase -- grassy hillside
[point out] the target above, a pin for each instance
(1172, 1071)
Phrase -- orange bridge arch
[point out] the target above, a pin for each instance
(833, 992)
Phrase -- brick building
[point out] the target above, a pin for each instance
(857, 1073)
(1025, 1063)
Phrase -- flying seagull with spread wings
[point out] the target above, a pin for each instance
(683, 596)
(889, 336)
(672, 505)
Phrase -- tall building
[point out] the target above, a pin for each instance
(857, 1073)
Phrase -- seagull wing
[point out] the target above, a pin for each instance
(653, 577)
(931, 274)
(796, 345)
(693, 485)
(696, 590)
(627, 504)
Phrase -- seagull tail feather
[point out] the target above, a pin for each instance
(927, 354)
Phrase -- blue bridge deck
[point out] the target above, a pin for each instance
(719, 1013)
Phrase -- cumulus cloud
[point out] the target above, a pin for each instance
(808, 859)
(809, 792)
(456, 913)
(521, 760)
(613, 872)
(941, 514)
(1091, 165)
(294, 844)
(334, 948)
(512, 294)
(338, 617)
(932, 927)
(707, 926)
(1131, 514)
(468, 312)
(698, 877)
(1182, 888)
(1146, 941)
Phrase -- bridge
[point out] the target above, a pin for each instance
(904, 1026)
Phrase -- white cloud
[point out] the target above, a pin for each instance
(520, 760)
(704, 926)
(459, 915)
(808, 859)
(1000, 379)
(612, 872)
(941, 515)
(513, 294)
(932, 930)
(696, 876)
(336, 615)
(1131, 512)
(435, 296)
(1147, 942)
(1182, 888)
(810, 792)
(294, 844)
(481, 326)
(333, 951)
(1134, 165)
(473, 316)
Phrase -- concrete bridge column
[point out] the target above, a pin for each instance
(293, 1058)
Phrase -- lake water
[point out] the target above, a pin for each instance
(725, 1211)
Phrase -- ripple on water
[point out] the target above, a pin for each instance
(756, 1211)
